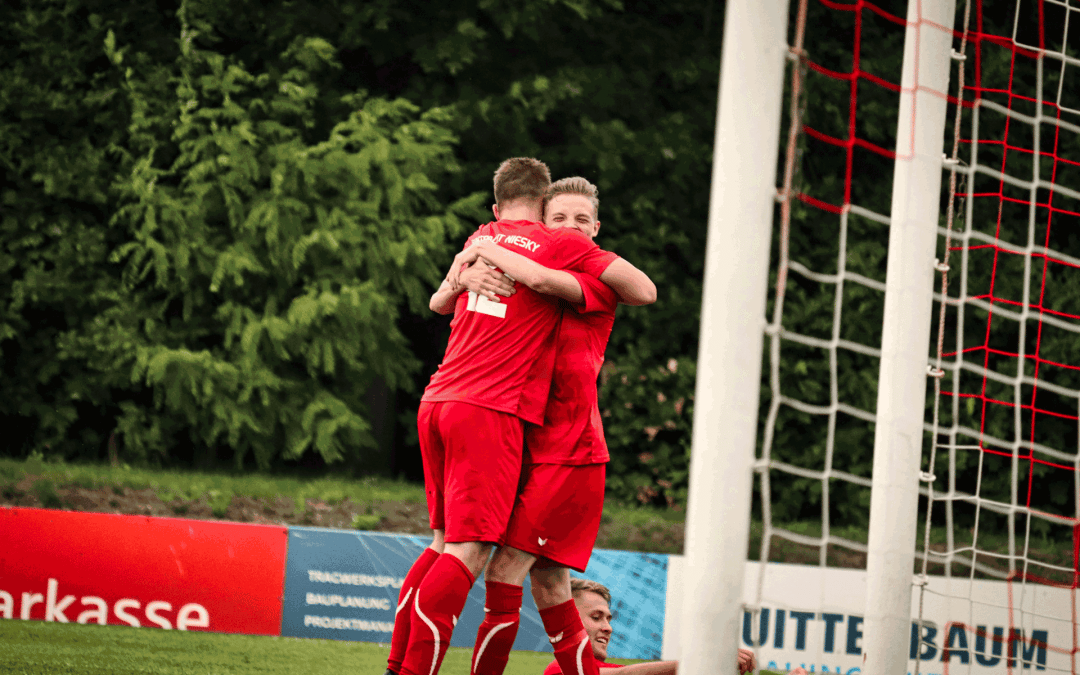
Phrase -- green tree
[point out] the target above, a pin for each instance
(239, 280)
(220, 220)
(61, 122)
(266, 273)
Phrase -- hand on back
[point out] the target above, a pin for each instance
(480, 278)
(466, 257)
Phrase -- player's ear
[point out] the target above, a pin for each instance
(596, 228)
(495, 210)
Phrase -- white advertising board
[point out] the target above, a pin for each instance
(812, 617)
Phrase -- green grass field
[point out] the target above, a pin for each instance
(39, 648)
(191, 484)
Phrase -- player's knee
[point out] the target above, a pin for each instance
(509, 566)
(551, 577)
(550, 586)
(473, 554)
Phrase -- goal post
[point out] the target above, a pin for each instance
(854, 256)
(741, 205)
(901, 400)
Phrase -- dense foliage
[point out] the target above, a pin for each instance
(221, 220)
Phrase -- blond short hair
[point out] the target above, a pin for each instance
(574, 185)
(521, 179)
(590, 586)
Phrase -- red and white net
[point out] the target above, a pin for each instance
(1002, 474)
(825, 327)
(826, 308)
(997, 572)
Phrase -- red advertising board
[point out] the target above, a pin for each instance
(141, 571)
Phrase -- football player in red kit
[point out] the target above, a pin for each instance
(495, 376)
(557, 511)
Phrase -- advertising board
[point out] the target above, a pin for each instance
(344, 585)
(167, 573)
(813, 617)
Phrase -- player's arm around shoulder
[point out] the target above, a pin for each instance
(444, 299)
(478, 278)
(531, 273)
(633, 286)
(560, 284)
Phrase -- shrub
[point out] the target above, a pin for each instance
(46, 493)
(367, 521)
(648, 414)
(219, 502)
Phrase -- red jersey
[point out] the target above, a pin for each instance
(501, 354)
(554, 669)
(573, 432)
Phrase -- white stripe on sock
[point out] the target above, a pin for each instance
(434, 631)
(487, 639)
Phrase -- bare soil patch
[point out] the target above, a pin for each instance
(383, 516)
(406, 517)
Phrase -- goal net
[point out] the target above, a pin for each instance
(992, 570)
(1001, 466)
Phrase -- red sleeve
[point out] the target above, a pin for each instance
(553, 669)
(598, 296)
(578, 253)
(597, 261)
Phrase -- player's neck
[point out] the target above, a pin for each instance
(521, 212)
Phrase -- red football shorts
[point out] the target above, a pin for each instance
(557, 513)
(472, 463)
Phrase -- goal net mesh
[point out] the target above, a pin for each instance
(1001, 482)
(1001, 464)
(825, 313)
(826, 306)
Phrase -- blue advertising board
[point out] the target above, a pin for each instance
(638, 584)
(343, 585)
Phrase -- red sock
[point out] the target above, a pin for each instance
(403, 617)
(567, 634)
(437, 604)
(495, 639)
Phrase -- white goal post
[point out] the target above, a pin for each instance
(901, 401)
(742, 204)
